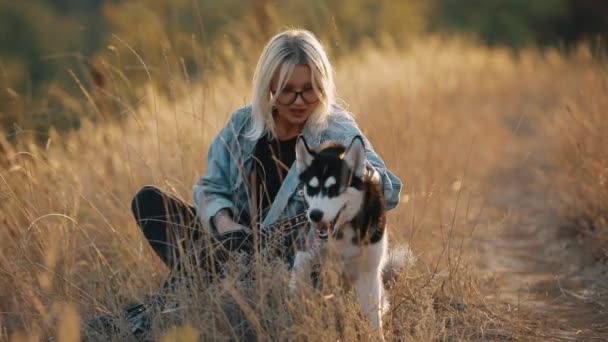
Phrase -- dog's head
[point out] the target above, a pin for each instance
(332, 179)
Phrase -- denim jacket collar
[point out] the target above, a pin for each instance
(313, 140)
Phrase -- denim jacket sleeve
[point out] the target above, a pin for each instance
(346, 130)
(214, 190)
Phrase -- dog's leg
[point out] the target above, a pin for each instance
(300, 270)
(370, 292)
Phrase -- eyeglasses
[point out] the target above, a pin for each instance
(287, 97)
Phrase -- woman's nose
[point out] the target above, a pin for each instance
(299, 99)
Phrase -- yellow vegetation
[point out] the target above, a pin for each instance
(447, 116)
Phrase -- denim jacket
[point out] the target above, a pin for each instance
(230, 157)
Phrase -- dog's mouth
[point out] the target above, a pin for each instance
(324, 229)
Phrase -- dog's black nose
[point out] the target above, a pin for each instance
(315, 215)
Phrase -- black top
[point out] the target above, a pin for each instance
(272, 160)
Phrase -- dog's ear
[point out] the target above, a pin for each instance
(355, 156)
(303, 154)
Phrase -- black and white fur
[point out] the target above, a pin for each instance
(346, 207)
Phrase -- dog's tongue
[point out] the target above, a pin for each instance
(311, 241)
(323, 230)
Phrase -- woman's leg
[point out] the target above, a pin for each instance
(166, 220)
(172, 228)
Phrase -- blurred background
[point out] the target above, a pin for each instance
(55, 54)
(492, 112)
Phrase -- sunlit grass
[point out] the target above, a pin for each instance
(443, 114)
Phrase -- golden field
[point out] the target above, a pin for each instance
(505, 197)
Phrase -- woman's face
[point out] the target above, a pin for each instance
(296, 102)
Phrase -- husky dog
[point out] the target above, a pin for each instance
(346, 210)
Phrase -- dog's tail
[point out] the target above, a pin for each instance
(399, 258)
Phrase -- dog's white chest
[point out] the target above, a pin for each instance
(356, 259)
(345, 246)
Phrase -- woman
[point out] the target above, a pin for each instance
(251, 182)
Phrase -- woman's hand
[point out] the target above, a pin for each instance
(224, 223)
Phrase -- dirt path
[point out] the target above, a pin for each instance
(536, 264)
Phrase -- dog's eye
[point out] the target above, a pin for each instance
(330, 181)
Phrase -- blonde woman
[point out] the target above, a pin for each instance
(251, 184)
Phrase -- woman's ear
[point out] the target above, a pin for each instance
(355, 156)
(304, 155)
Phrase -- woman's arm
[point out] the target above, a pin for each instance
(391, 183)
(213, 191)
(224, 223)
(346, 129)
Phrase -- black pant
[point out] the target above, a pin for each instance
(175, 233)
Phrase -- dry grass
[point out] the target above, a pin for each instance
(581, 157)
(445, 115)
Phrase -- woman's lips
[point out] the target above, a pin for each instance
(298, 111)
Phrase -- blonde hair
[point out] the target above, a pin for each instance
(286, 50)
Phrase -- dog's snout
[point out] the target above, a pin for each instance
(315, 215)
